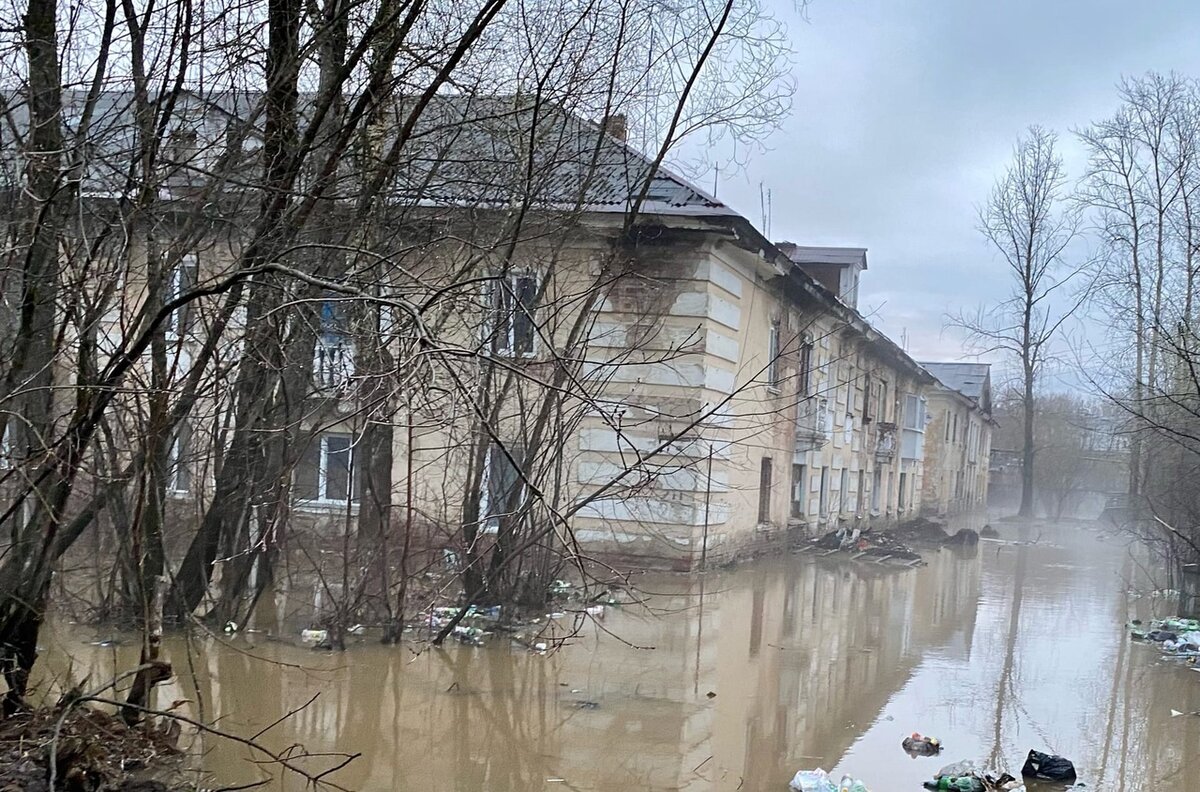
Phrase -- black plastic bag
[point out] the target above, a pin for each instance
(1048, 767)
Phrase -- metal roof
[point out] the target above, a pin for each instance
(969, 379)
(810, 254)
(465, 151)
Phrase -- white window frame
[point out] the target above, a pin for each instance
(177, 462)
(332, 372)
(175, 289)
(799, 490)
(322, 498)
(491, 293)
(323, 469)
(773, 361)
(914, 412)
(6, 445)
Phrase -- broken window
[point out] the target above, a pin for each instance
(512, 301)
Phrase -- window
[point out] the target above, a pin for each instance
(848, 429)
(876, 488)
(764, 491)
(824, 500)
(6, 446)
(914, 412)
(333, 354)
(502, 484)
(799, 483)
(180, 281)
(900, 498)
(773, 362)
(179, 473)
(868, 401)
(947, 434)
(804, 384)
(956, 427)
(512, 302)
(844, 491)
(324, 473)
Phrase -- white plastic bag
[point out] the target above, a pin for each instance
(812, 781)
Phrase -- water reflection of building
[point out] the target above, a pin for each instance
(838, 644)
(806, 662)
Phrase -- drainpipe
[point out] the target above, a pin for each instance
(707, 500)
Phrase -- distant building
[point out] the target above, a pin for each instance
(958, 438)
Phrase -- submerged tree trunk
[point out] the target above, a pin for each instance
(1028, 453)
(25, 573)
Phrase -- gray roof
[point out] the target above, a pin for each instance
(465, 151)
(809, 254)
(969, 379)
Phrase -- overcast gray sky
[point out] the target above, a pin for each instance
(906, 110)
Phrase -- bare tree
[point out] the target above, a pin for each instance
(1025, 220)
(191, 226)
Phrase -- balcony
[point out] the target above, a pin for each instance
(333, 364)
(885, 442)
(814, 424)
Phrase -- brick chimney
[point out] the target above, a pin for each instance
(615, 126)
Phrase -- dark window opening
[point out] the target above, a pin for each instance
(764, 491)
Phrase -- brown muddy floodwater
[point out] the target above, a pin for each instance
(813, 664)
